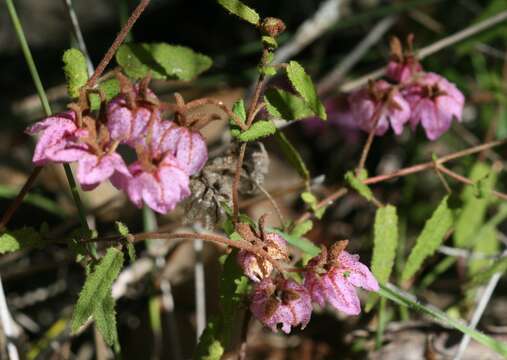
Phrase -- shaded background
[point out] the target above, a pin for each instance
(42, 285)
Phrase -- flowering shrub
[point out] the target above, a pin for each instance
(273, 271)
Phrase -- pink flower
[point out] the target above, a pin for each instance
(161, 186)
(286, 303)
(59, 141)
(434, 102)
(257, 268)
(403, 65)
(381, 101)
(93, 169)
(403, 72)
(128, 123)
(187, 146)
(332, 279)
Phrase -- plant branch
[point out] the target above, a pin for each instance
(433, 48)
(117, 42)
(45, 105)
(217, 239)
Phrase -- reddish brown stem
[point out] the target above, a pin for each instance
(242, 245)
(235, 184)
(117, 42)
(404, 172)
(467, 181)
(19, 198)
(369, 141)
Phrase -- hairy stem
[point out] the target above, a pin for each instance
(217, 239)
(117, 42)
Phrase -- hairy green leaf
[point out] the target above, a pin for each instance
(292, 155)
(15, 240)
(499, 266)
(472, 215)
(257, 130)
(110, 88)
(104, 314)
(357, 184)
(239, 109)
(239, 9)
(301, 229)
(304, 86)
(430, 239)
(385, 241)
(161, 60)
(301, 243)
(76, 71)
(284, 105)
(97, 286)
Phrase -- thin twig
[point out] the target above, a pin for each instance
(467, 181)
(117, 42)
(479, 310)
(78, 34)
(8, 325)
(19, 198)
(403, 172)
(433, 48)
(44, 101)
(210, 238)
(323, 19)
(331, 80)
(199, 286)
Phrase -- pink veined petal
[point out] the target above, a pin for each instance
(56, 135)
(314, 286)
(191, 152)
(340, 294)
(356, 272)
(399, 117)
(92, 170)
(293, 313)
(145, 188)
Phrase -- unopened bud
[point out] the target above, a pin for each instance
(272, 26)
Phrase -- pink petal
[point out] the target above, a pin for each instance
(92, 170)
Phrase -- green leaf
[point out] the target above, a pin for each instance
(209, 347)
(301, 229)
(239, 9)
(292, 155)
(358, 185)
(239, 109)
(474, 209)
(76, 71)
(312, 202)
(301, 243)
(303, 84)
(110, 88)
(430, 239)
(284, 105)
(97, 287)
(104, 314)
(15, 240)
(385, 241)
(163, 61)
(122, 229)
(500, 266)
(234, 288)
(394, 294)
(259, 129)
(269, 42)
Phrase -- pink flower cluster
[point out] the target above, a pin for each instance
(167, 153)
(411, 96)
(329, 278)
